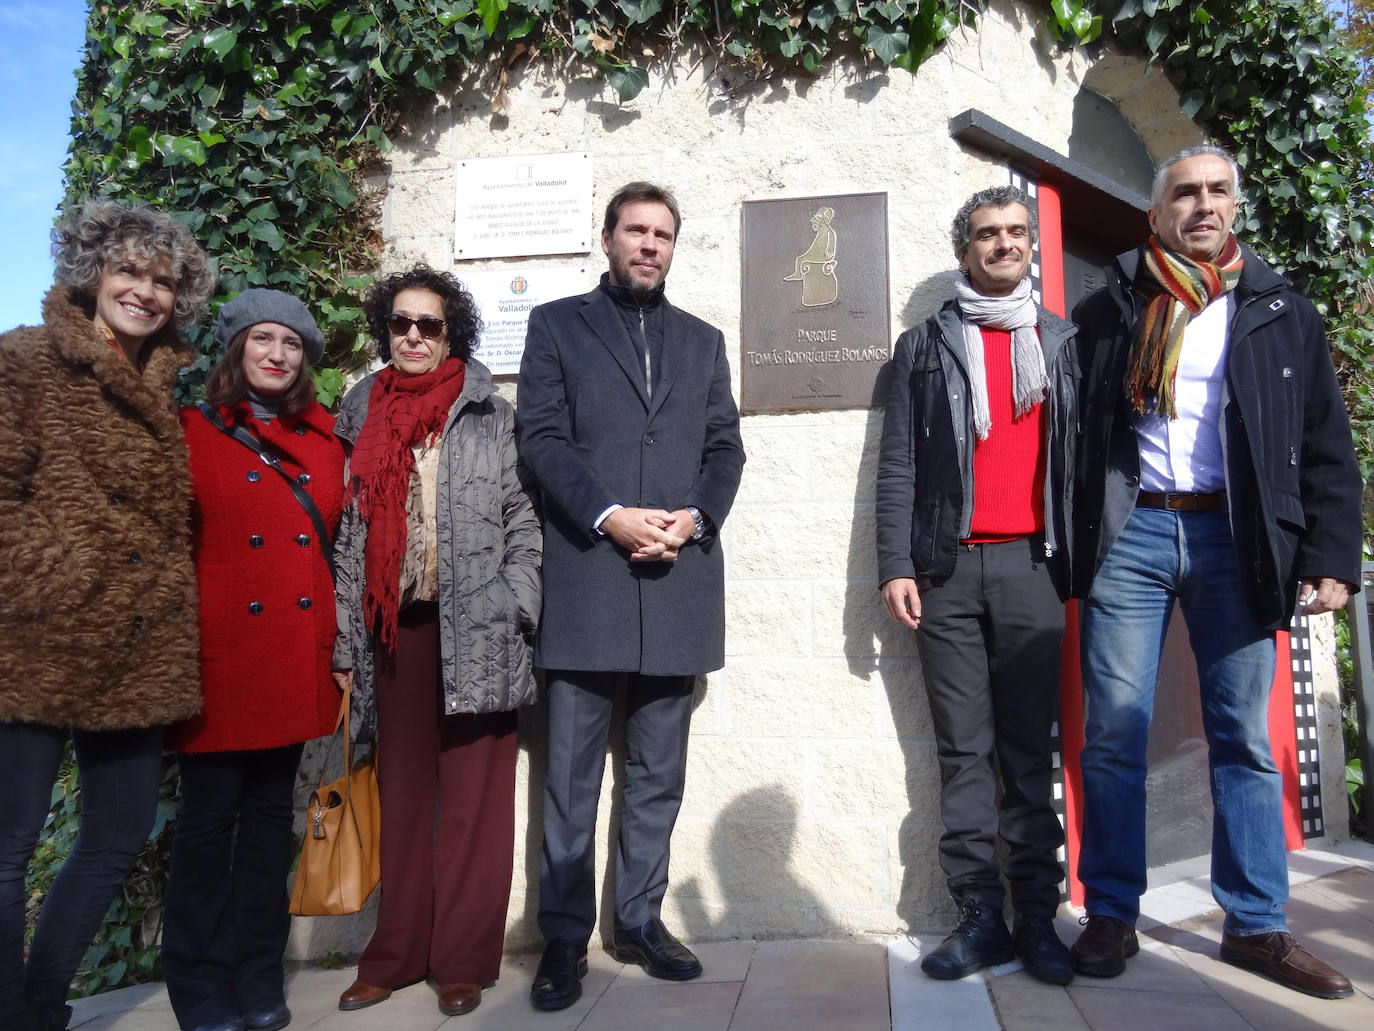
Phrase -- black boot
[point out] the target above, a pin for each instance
(981, 940)
(1044, 956)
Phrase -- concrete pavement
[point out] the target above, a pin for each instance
(1175, 982)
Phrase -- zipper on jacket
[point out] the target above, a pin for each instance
(648, 372)
(1292, 421)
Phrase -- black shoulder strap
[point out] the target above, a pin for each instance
(241, 434)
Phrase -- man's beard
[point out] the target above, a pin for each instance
(624, 275)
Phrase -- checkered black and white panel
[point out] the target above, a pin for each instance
(1305, 727)
(1057, 799)
(1031, 189)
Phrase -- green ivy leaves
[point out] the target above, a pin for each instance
(1270, 80)
(1074, 20)
(213, 108)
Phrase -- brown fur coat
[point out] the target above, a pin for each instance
(97, 591)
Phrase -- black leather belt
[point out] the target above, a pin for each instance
(1176, 502)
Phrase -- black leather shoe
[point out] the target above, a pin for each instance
(1104, 946)
(267, 1018)
(658, 952)
(232, 1024)
(1044, 956)
(981, 940)
(558, 980)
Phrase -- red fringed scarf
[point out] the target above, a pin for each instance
(1175, 289)
(402, 411)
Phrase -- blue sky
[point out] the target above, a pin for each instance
(40, 48)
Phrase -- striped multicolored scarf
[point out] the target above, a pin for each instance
(1175, 289)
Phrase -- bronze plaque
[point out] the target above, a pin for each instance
(814, 326)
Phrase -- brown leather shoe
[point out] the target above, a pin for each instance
(459, 997)
(1104, 946)
(360, 995)
(1278, 956)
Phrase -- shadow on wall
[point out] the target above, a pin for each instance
(751, 851)
(866, 625)
(750, 845)
(524, 934)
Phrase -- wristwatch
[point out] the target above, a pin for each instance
(700, 530)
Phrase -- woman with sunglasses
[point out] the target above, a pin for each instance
(438, 596)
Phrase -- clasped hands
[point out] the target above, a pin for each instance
(650, 534)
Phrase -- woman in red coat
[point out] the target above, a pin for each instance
(267, 631)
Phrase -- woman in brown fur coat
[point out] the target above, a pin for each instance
(98, 635)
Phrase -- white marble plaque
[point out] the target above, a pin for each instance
(505, 297)
(524, 204)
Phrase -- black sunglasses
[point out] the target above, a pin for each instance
(430, 327)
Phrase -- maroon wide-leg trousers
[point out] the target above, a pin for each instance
(446, 882)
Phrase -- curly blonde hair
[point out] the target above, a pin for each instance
(89, 236)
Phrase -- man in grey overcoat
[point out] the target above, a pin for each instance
(627, 423)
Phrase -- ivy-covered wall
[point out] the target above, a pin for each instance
(256, 117)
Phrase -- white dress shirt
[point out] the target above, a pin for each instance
(1184, 454)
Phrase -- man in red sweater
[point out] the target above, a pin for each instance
(973, 474)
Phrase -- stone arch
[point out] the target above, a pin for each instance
(1145, 101)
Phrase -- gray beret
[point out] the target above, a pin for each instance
(256, 305)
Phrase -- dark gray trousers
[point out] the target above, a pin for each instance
(990, 653)
(658, 712)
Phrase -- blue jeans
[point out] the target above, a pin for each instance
(1160, 556)
(119, 773)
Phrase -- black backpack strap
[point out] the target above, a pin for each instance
(244, 437)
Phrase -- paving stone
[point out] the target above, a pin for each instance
(1121, 1009)
(1176, 981)
(816, 986)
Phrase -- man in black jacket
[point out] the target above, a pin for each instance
(1216, 469)
(971, 517)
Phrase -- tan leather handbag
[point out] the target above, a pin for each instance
(341, 855)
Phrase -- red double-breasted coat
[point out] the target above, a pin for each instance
(267, 621)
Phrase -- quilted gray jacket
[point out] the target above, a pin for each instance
(489, 549)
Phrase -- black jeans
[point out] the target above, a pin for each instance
(119, 772)
(990, 653)
(226, 923)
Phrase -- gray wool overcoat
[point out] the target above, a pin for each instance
(592, 437)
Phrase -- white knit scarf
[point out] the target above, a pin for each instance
(1015, 312)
